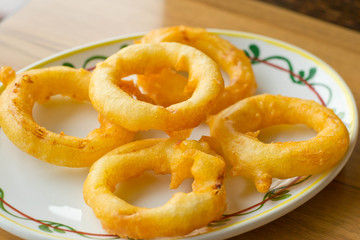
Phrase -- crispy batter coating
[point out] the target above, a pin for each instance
(183, 213)
(231, 59)
(166, 87)
(16, 104)
(116, 105)
(236, 128)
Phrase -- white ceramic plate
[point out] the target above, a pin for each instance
(37, 196)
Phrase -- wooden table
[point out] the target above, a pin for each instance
(44, 27)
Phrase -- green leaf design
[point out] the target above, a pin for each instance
(312, 73)
(2, 206)
(96, 57)
(282, 197)
(283, 194)
(299, 78)
(45, 228)
(58, 230)
(67, 64)
(255, 50)
(302, 74)
(88, 60)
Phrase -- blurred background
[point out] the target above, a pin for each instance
(341, 12)
(8, 7)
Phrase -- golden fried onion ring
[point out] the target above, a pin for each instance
(183, 213)
(236, 129)
(165, 88)
(16, 104)
(117, 106)
(231, 59)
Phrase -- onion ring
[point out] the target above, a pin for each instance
(231, 59)
(183, 213)
(16, 104)
(161, 90)
(120, 108)
(236, 129)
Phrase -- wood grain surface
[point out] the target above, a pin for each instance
(342, 12)
(42, 28)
